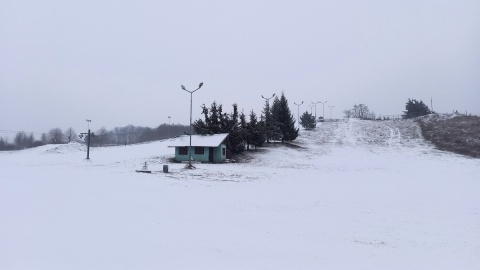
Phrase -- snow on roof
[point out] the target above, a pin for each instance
(199, 140)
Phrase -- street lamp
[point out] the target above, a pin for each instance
(190, 149)
(311, 108)
(331, 107)
(298, 114)
(315, 103)
(169, 127)
(267, 100)
(323, 103)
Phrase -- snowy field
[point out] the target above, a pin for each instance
(349, 195)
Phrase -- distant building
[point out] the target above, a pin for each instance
(205, 148)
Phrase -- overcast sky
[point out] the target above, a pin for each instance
(122, 62)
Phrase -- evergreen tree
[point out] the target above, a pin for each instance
(200, 126)
(256, 136)
(214, 125)
(285, 122)
(276, 124)
(415, 108)
(268, 121)
(236, 138)
(244, 129)
(307, 120)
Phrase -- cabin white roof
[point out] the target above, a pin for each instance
(199, 140)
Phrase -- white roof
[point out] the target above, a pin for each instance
(199, 140)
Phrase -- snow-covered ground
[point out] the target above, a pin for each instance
(349, 195)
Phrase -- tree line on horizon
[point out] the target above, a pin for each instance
(118, 136)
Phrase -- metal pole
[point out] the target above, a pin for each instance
(298, 114)
(190, 146)
(316, 109)
(190, 149)
(323, 108)
(169, 136)
(88, 145)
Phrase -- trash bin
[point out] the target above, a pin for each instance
(165, 168)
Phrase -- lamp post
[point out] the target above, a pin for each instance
(323, 114)
(88, 136)
(267, 100)
(169, 136)
(311, 108)
(191, 98)
(315, 103)
(331, 107)
(298, 113)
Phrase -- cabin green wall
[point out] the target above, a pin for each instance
(201, 158)
(217, 154)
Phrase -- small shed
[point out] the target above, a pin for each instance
(205, 148)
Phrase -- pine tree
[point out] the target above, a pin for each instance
(268, 121)
(255, 137)
(244, 130)
(200, 126)
(415, 108)
(236, 133)
(307, 120)
(276, 123)
(214, 119)
(285, 122)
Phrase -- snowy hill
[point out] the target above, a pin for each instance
(348, 195)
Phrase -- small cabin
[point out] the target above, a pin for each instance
(205, 148)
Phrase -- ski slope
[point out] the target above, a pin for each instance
(349, 195)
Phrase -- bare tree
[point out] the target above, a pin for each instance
(44, 138)
(70, 135)
(359, 111)
(20, 140)
(56, 136)
(102, 135)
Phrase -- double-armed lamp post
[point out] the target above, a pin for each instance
(298, 114)
(190, 149)
(323, 107)
(315, 103)
(331, 108)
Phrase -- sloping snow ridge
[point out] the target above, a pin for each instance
(350, 194)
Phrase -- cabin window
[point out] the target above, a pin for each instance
(183, 151)
(223, 151)
(199, 150)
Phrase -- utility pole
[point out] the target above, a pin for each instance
(190, 149)
(88, 137)
(298, 113)
(169, 136)
(267, 101)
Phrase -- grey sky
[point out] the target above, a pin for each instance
(122, 62)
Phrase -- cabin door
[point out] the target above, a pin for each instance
(210, 154)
